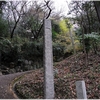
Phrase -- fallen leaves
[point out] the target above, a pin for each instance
(66, 74)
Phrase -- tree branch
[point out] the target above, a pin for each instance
(50, 10)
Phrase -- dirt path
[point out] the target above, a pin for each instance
(5, 82)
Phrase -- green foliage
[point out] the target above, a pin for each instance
(32, 49)
(55, 28)
(19, 40)
(3, 27)
(91, 41)
(78, 31)
(62, 46)
(54, 34)
(5, 45)
(93, 36)
(78, 46)
(58, 51)
(9, 52)
(63, 27)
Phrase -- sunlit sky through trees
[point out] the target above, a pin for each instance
(62, 5)
(59, 5)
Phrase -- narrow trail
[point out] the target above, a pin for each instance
(5, 85)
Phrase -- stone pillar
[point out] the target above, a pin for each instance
(81, 90)
(48, 61)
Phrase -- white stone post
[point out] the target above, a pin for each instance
(48, 61)
(81, 90)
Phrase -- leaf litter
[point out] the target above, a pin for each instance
(67, 73)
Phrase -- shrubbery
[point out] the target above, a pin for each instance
(29, 50)
(18, 50)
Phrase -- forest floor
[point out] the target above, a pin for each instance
(66, 73)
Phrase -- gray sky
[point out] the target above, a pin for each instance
(61, 5)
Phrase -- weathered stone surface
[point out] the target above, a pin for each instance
(48, 61)
(81, 90)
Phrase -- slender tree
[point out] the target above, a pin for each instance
(14, 11)
(38, 12)
(97, 7)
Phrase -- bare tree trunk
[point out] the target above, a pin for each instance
(89, 22)
(12, 33)
(97, 7)
(72, 40)
(86, 55)
(50, 10)
(18, 16)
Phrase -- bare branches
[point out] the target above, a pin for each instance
(47, 4)
(15, 10)
(39, 12)
(50, 10)
(30, 13)
(97, 7)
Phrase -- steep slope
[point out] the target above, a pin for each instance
(66, 73)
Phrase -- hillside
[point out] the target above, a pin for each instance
(66, 73)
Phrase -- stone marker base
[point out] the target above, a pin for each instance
(81, 89)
